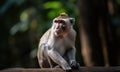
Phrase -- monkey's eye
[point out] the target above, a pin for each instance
(62, 21)
(56, 21)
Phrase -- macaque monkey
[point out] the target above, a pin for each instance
(57, 45)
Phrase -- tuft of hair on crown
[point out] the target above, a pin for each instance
(63, 15)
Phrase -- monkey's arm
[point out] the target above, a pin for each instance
(57, 58)
(71, 55)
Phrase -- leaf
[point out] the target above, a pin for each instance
(55, 12)
(52, 5)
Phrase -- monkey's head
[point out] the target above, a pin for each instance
(62, 24)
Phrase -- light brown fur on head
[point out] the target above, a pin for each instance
(63, 16)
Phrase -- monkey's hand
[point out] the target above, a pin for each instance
(74, 64)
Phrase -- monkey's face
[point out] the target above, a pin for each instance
(62, 26)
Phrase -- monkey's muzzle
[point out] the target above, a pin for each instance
(61, 28)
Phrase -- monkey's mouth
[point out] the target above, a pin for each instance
(60, 31)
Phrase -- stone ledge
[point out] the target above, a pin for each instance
(82, 69)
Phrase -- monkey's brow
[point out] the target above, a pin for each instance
(59, 21)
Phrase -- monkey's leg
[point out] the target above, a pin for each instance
(47, 56)
(42, 57)
(58, 59)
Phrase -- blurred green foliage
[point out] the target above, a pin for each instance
(118, 1)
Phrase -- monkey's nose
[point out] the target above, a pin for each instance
(58, 27)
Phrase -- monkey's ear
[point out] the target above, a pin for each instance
(72, 21)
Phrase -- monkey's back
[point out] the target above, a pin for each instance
(45, 37)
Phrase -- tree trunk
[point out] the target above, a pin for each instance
(95, 31)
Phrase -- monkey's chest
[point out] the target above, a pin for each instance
(61, 46)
